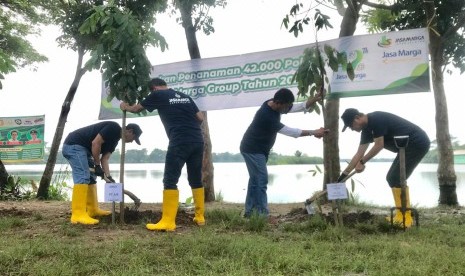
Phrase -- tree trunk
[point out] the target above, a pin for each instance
(44, 185)
(3, 177)
(207, 164)
(194, 52)
(331, 158)
(331, 141)
(446, 171)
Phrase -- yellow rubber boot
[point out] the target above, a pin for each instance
(398, 218)
(199, 201)
(78, 205)
(92, 203)
(169, 212)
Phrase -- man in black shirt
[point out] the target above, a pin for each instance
(381, 128)
(181, 118)
(260, 137)
(91, 147)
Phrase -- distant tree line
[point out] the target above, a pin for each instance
(158, 156)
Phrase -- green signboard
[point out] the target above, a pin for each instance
(22, 139)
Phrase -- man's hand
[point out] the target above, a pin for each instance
(318, 133)
(342, 177)
(123, 105)
(99, 171)
(314, 99)
(359, 167)
(111, 179)
(318, 96)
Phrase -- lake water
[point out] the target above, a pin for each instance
(287, 183)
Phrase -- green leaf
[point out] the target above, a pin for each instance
(310, 77)
(350, 71)
(342, 59)
(116, 44)
(294, 9)
(286, 21)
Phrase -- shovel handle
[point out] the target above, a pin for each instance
(348, 176)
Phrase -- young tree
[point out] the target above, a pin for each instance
(194, 17)
(350, 11)
(115, 36)
(445, 21)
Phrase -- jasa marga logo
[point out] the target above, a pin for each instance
(384, 42)
(410, 39)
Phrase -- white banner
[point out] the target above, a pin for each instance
(387, 63)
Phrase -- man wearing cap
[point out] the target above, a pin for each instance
(34, 139)
(91, 147)
(260, 137)
(381, 128)
(181, 119)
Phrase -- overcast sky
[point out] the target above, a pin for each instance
(244, 26)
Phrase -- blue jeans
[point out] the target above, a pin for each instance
(256, 199)
(176, 157)
(80, 159)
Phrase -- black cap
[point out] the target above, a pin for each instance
(33, 131)
(136, 130)
(348, 117)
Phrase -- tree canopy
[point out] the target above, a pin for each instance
(20, 19)
(122, 35)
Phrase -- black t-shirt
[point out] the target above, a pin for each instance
(177, 112)
(390, 125)
(260, 136)
(110, 132)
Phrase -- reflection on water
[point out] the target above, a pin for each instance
(135, 174)
(287, 183)
(156, 173)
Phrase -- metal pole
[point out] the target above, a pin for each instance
(401, 143)
(121, 166)
(403, 197)
(113, 214)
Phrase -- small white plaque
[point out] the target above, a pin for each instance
(113, 192)
(336, 191)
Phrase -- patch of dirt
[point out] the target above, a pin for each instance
(51, 216)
